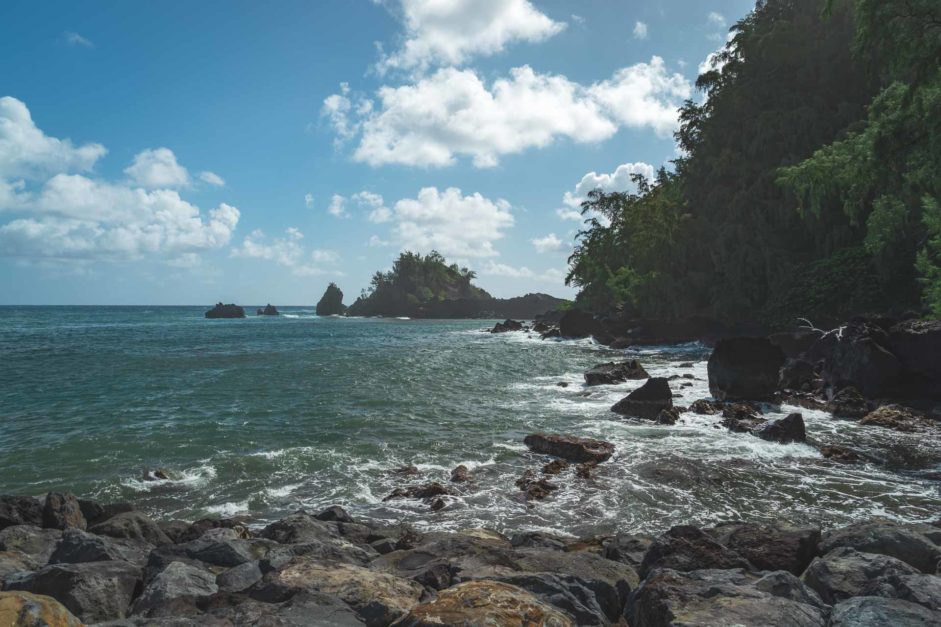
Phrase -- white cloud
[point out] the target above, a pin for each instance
(27, 152)
(324, 256)
(157, 168)
(287, 251)
(712, 61)
(375, 240)
(74, 39)
(716, 19)
(378, 212)
(617, 181)
(309, 201)
(453, 113)
(453, 31)
(552, 275)
(549, 244)
(211, 178)
(569, 214)
(337, 206)
(640, 30)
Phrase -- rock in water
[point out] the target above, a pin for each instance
(745, 368)
(785, 430)
(898, 418)
(568, 447)
(331, 303)
(610, 373)
(647, 401)
(22, 609)
(268, 310)
(506, 326)
(226, 311)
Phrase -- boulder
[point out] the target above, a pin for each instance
(539, 540)
(859, 360)
(611, 581)
(917, 344)
(685, 548)
(744, 368)
(298, 528)
(506, 326)
(22, 609)
(555, 467)
(569, 447)
(331, 303)
(460, 474)
(785, 430)
(848, 403)
(794, 343)
(132, 526)
(305, 609)
(668, 416)
(175, 590)
(797, 374)
(898, 418)
(423, 491)
(93, 591)
(14, 562)
(569, 594)
(706, 407)
(485, 603)
(844, 572)
(62, 511)
(379, 598)
(240, 577)
(78, 546)
(886, 538)
(869, 611)
(225, 311)
(741, 418)
(37, 544)
(611, 373)
(335, 513)
(722, 597)
(535, 488)
(841, 454)
(576, 323)
(925, 590)
(19, 510)
(627, 548)
(770, 547)
(647, 401)
(95, 513)
(463, 557)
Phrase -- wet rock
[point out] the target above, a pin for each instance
(176, 591)
(22, 609)
(268, 310)
(569, 594)
(507, 326)
(95, 513)
(132, 526)
(466, 557)
(297, 529)
(744, 369)
(898, 418)
(668, 416)
(844, 572)
(917, 344)
(886, 538)
(706, 407)
(859, 359)
(562, 384)
(19, 510)
(848, 403)
(14, 562)
(37, 544)
(741, 418)
(406, 471)
(485, 603)
(583, 471)
(62, 511)
(460, 474)
(627, 548)
(840, 454)
(611, 373)
(785, 430)
(576, 323)
(794, 343)
(378, 598)
(569, 447)
(719, 597)
(334, 513)
(78, 546)
(797, 374)
(770, 547)
(685, 548)
(535, 488)
(555, 467)
(225, 311)
(437, 504)
(423, 491)
(187, 532)
(221, 547)
(647, 401)
(868, 611)
(93, 591)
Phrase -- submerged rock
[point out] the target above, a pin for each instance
(460, 474)
(744, 368)
(423, 491)
(837, 453)
(569, 447)
(226, 311)
(611, 373)
(535, 488)
(741, 418)
(647, 401)
(706, 407)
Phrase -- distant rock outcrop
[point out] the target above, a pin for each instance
(268, 310)
(331, 303)
(225, 311)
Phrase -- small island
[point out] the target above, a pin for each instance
(226, 311)
(331, 303)
(268, 310)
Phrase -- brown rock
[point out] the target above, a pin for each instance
(23, 609)
(898, 418)
(62, 511)
(568, 447)
(460, 474)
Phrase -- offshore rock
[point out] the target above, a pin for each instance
(331, 303)
(611, 373)
(268, 310)
(848, 403)
(576, 323)
(569, 447)
(507, 326)
(898, 418)
(744, 368)
(226, 311)
(785, 430)
(647, 401)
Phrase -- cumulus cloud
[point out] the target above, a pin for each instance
(287, 251)
(716, 19)
(211, 178)
(454, 113)
(65, 214)
(549, 244)
(74, 39)
(492, 268)
(337, 207)
(450, 33)
(617, 181)
(640, 30)
(155, 168)
(309, 201)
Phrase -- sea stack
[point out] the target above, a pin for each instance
(331, 303)
(226, 311)
(268, 310)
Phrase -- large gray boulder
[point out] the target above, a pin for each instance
(886, 538)
(770, 547)
(844, 572)
(298, 528)
(38, 544)
(871, 611)
(132, 526)
(19, 510)
(924, 590)
(78, 546)
(570, 594)
(744, 368)
(647, 401)
(304, 609)
(686, 548)
(175, 591)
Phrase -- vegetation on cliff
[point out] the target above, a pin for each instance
(810, 181)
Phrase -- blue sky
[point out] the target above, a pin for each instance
(188, 152)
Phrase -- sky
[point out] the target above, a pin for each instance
(179, 152)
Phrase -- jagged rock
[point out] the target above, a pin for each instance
(95, 513)
(335, 513)
(539, 540)
(297, 529)
(379, 598)
(225, 311)
(869, 611)
(611, 373)
(844, 572)
(93, 591)
(570, 594)
(898, 418)
(796, 374)
(331, 303)
(406, 471)
(668, 416)
(647, 401)
(460, 474)
(860, 359)
(132, 526)
(794, 343)
(268, 310)
(569, 447)
(925, 590)
(178, 587)
(78, 546)
(555, 467)
(886, 538)
(583, 471)
(223, 547)
(23, 609)
(576, 323)
(37, 544)
(485, 603)
(685, 548)
(627, 548)
(62, 511)
(423, 491)
(848, 403)
(917, 344)
(466, 557)
(611, 581)
(706, 407)
(785, 430)
(741, 418)
(19, 510)
(722, 597)
(506, 326)
(770, 547)
(840, 454)
(535, 488)
(240, 577)
(744, 368)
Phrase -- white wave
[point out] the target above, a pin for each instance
(229, 509)
(190, 478)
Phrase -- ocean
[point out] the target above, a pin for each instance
(264, 416)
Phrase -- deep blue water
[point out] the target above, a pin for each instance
(264, 415)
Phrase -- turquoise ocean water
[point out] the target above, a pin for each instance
(262, 416)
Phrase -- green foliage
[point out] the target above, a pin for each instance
(928, 261)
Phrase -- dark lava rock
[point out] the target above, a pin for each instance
(668, 416)
(78, 546)
(176, 588)
(840, 454)
(886, 538)
(860, 360)
(133, 526)
(899, 418)
(870, 611)
(627, 548)
(576, 323)
(611, 373)
(19, 510)
(686, 548)
(794, 343)
(225, 311)
(744, 368)
(848, 403)
(460, 474)
(555, 467)
(62, 511)
(647, 401)
(796, 374)
(741, 418)
(770, 547)
(331, 303)
(844, 572)
(706, 407)
(93, 591)
(784, 430)
(535, 488)
(423, 491)
(268, 310)
(917, 344)
(506, 326)
(95, 513)
(569, 447)
(334, 513)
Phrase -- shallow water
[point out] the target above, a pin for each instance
(264, 415)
